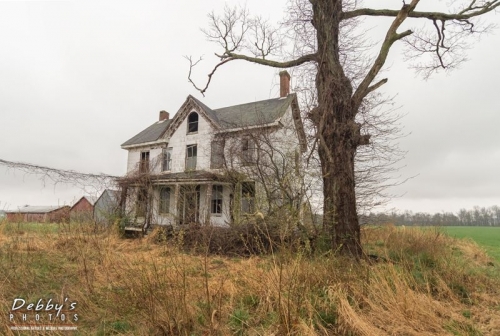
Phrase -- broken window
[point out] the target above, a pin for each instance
(167, 159)
(248, 197)
(164, 200)
(217, 154)
(191, 154)
(193, 122)
(144, 163)
(217, 199)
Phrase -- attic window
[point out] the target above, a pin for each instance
(193, 122)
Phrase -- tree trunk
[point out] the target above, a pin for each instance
(338, 133)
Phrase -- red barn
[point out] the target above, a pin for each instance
(83, 210)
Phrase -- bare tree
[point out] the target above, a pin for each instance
(341, 91)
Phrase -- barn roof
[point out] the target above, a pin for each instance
(36, 209)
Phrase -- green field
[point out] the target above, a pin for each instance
(486, 237)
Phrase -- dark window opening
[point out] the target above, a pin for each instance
(191, 154)
(217, 196)
(193, 122)
(144, 163)
(247, 151)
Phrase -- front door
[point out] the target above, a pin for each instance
(189, 204)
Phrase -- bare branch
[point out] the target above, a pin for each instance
(465, 14)
(391, 37)
(192, 65)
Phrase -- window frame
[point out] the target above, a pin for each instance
(193, 124)
(217, 200)
(167, 163)
(144, 162)
(164, 203)
(195, 156)
(248, 151)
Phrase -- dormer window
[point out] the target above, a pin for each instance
(193, 122)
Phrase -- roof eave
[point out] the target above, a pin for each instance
(244, 128)
(144, 144)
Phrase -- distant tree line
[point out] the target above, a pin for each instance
(477, 216)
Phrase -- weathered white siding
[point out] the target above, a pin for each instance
(180, 139)
(282, 140)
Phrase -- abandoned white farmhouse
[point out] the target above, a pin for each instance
(215, 165)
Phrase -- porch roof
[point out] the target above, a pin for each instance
(191, 176)
(197, 176)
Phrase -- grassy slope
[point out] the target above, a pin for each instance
(487, 237)
(424, 283)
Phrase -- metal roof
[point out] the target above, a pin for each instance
(114, 195)
(36, 209)
(152, 133)
(253, 114)
(245, 115)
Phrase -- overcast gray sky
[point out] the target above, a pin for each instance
(78, 78)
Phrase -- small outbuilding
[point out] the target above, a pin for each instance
(83, 210)
(107, 207)
(40, 214)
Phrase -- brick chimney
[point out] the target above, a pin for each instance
(164, 115)
(284, 83)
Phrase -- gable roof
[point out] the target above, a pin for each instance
(258, 113)
(90, 199)
(211, 113)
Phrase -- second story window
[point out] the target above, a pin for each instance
(167, 159)
(217, 154)
(191, 154)
(247, 151)
(193, 122)
(144, 163)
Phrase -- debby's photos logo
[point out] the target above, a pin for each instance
(43, 315)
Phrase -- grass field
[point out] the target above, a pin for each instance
(486, 237)
(422, 283)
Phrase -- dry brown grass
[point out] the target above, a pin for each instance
(423, 283)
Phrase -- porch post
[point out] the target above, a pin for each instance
(208, 199)
(175, 206)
